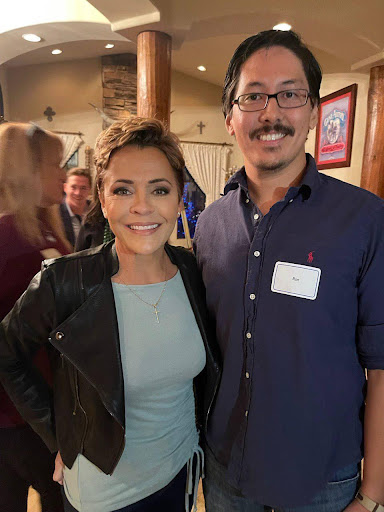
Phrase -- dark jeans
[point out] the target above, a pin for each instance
(170, 498)
(25, 461)
(222, 497)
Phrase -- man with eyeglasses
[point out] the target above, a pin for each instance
(293, 263)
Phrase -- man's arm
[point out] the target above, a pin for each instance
(370, 346)
(373, 481)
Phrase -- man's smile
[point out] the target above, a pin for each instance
(271, 136)
(271, 132)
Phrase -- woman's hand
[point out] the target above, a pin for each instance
(58, 474)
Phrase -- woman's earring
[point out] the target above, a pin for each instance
(178, 214)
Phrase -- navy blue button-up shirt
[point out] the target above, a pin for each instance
(288, 413)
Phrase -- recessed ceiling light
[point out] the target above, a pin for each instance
(201, 68)
(109, 45)
(32, 38)
(57, 51)
(282, 26)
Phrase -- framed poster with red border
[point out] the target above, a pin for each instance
(334, 133)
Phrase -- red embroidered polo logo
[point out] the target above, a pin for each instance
(310, 257)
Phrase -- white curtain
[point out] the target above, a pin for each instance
(71, 143)
(207, 164)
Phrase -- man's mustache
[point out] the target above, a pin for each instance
(277, 128)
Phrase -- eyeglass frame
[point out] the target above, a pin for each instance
(236, 100)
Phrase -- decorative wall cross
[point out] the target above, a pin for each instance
(201, 126)
(49, 112)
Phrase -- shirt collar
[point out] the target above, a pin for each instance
(76, 215)
(309, 183)
(69, 209)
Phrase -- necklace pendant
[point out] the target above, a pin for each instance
(157, 314)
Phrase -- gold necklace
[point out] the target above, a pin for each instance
(154, 306)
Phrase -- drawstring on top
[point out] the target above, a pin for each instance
(191, 489)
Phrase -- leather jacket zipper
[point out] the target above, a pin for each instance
(83, 298)
(82, 410)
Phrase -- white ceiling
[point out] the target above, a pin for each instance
(343, 35)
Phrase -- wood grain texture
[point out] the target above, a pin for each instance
(154, 75)
(372, 176)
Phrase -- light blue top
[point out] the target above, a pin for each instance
(159, 363)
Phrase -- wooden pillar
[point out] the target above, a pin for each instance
(372, 177)
(154, 75)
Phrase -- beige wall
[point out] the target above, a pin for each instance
(332, 83)
(194, 100)
(68, 87)
(191, 92)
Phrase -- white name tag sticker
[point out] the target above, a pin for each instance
(296, 280)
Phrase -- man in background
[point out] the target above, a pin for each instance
(293, 263)
(75, 205)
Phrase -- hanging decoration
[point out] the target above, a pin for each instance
(201, 126)
(49, 113)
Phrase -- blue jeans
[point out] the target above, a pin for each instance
(222, 497)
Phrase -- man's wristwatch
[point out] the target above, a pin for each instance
(369, 504)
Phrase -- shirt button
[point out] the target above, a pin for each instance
(59, 336)
(252, 296)
(247, 375)
(256, 253)
(256, 216)
(247, 200)
(249, 335)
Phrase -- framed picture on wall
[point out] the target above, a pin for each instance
(334, 133)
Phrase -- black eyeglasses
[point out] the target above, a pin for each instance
(253, 101)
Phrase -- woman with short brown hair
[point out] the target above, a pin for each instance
(130, 321)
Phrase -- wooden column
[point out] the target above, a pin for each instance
(372, 177)
(154, 75)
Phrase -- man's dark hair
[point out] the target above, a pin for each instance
(80, 171)
(267, 39)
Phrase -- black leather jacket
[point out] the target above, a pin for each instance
(69, 305)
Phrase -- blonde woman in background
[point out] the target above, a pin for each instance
(31, 183)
